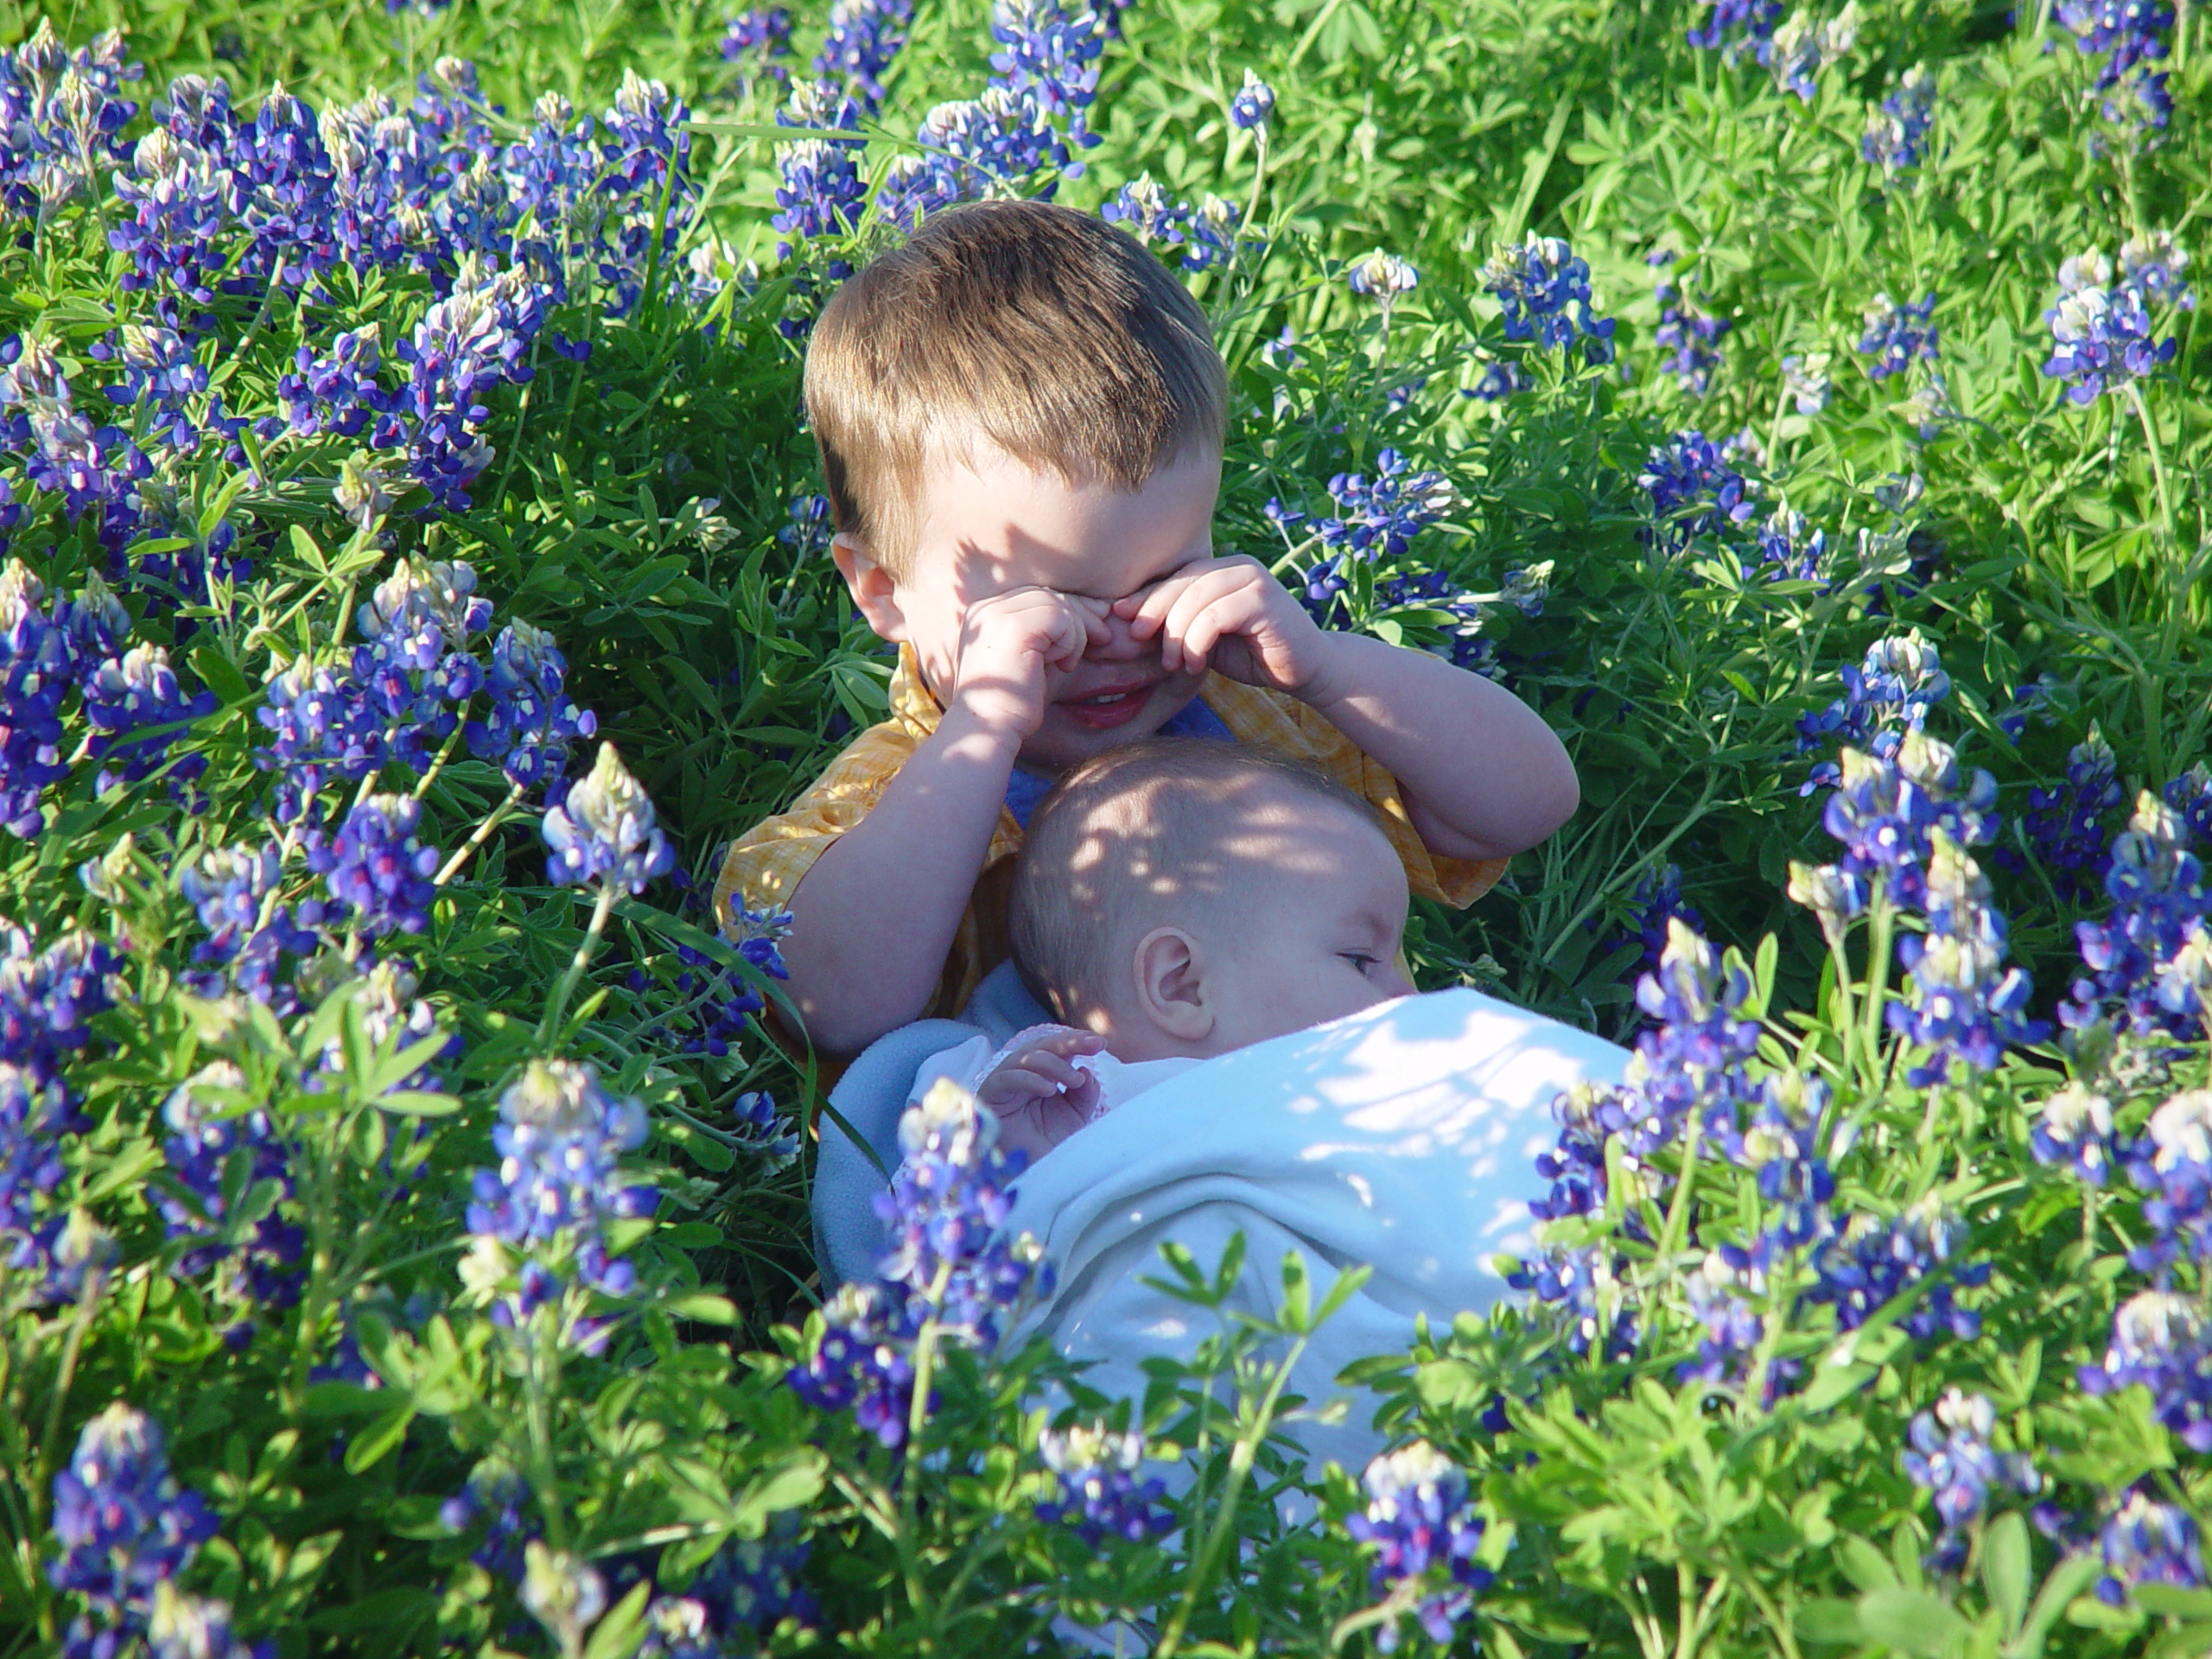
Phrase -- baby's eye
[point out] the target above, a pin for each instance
(1365, 963)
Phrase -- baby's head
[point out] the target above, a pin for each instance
(1020, 395)
(1186, 896)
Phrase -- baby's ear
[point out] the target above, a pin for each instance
(1170, 984)
(875, 590)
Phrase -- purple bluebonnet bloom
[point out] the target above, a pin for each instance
(1797, 51)
(1805, 378)
(2190, 798)
(819, 192)
(2172, 1164)
(1382, 276)
(1378, 517)
(561, 1139)
(379, 869)
(2160, 1342)
(1951, 1457)
(476, 338)
(128, 702)
(1733, 1327)
(1544, 290)
(2158, 901)
(416, 666)
(321, 727)
(1736, 27)
(1582, 1285)
(1433, 599)
(1208, 233)
(1872, 1261)
(1422, 1527)
(157, 374)
(1252, 103)
(2148, 1541)
(532, 723)
(749, 1587)
(496, 1498)
(1694, 491)
(1899, 680)
(603, 831)
(2066, 826)
(1692, 337)
(1892, 798)
(198, 1627)
(1780, 1142)
(61, 115)
(1791, 549)
(809, 527)
(1100, 1493)
(40, 664)
(1655, 906)
(336, 392)
(126, 1527)
(757, 41)
(34, 1114)
(46, 996)
(2103, 336)
(2074, 1127)
(1962, 1003)
(950, 1263)
(211, 1121)
(865, 38)
(1896, 139)
(719, 1001)
(2125, 35)
(1897, 336)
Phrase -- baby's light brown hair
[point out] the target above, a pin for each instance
(1134, 839)
(1044, 330)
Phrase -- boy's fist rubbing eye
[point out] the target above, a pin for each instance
(1008, 640)
(1038, 1096)
(1231, 616)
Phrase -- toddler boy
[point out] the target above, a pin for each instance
(1176, 900)
(1022, 416)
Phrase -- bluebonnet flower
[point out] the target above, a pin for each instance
(2172, 1163)
(761, 1130)
(63, 112)
(495, 1497)
(810, 528)
(819, 192)
(747, 1588)
(1899, 335)
(2159, 1342)
(34, 1115)
(562, 1593)
(1583, 1284)
(474, 338)
(1736, 27)
(1653, 907)
(2125, 35)
(532, 723)
(1693, 1062)
(76, 1254)
(1148, 212)
(1500, 379)
(1790, 549)
(1951, 1457)
(46, 996)
(1733, 1327)
(2147, 1541)
(1049, 52)
(39, 666)
(1806, 379)
(1431, 600)
(1891, 803)
(1872, 1261)
(864, 38)
(2190, 796)
(951, 1262)
(321, 726)
(1526, 587)
(336, 392)
(604, 830)
(2029, 699)
(2074, 1127)
(1382, 277)
(560, 1138)
(2066, 825)
(1896, 137)
(1252, 103)
(377, 867)
(1692, 337)
(757, 41)
(1780, 1143)
(1421, 1524)
(416, 666)
(197, 1627)
(363, 492)
(2104, 340)
(139, 693)
(1099, 1493)
(1544, 290)
(207, 1131)
(126, 1527)
(1378, 517)
(2157, 889)
(1694, 491)
(158, 373)
(1962, 1004)
(1796, 51)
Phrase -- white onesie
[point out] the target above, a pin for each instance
(1119, 1081)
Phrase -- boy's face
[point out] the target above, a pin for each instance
(990, 524)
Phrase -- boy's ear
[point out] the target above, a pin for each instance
(874, 591)
(1171, 984)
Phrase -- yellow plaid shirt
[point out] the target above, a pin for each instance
(766, 864)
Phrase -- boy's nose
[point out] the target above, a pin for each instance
(1121, 646)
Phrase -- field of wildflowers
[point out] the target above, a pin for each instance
(414, 571)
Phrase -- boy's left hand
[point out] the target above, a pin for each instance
(1231, 616)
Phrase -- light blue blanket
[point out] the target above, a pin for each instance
(848, 1237)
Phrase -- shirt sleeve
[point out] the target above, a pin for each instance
(766, 864)
(1283, 723)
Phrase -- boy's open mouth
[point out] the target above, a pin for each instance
(1102, 710)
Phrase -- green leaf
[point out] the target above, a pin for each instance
(1829, 1619)
(619, 1634)
(1917, 1622)
(369, 1447)
(706, 1308)
(2005, 1568)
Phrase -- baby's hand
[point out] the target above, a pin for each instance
(1232, 615)
(1005, 643)
(1038, 1098)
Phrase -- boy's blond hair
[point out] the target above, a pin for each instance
(1140, 836)
(1046, 332)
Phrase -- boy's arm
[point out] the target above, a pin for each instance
(874, 917)
(1481, 774)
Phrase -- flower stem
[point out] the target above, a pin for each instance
(587, 948)
(2158, 461)
(499, 815)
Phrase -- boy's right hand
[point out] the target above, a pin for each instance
(1007, 641)
(1039, 1098)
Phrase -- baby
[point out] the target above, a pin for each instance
(1177, 899)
